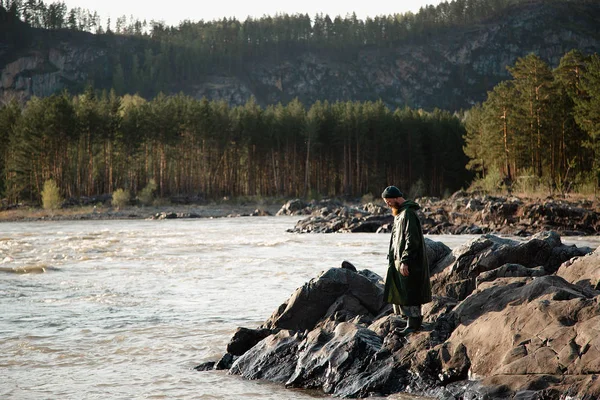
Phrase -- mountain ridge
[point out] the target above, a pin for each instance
(452, 68)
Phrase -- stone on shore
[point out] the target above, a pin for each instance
(583, 271)
(456, 275)
(337, 293)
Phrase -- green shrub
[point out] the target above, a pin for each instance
(146, 195)
(491, 183)
(527, 183)
(120, 198)
(585, 184)
(51, 199)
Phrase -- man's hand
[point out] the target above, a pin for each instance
(403, 269)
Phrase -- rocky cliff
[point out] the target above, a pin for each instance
(450, 69)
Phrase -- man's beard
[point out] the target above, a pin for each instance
(395, 211)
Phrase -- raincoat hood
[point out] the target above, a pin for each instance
(409, 204)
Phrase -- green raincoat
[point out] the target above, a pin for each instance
(407, 245)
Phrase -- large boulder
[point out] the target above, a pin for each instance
(583, 271)
(273, 358)
(322, 340)
(436, 251)
(292, 207)
(339, 293)
(338, 290)
(346, 362)
(523, 333)
(456, 274)
(344, 353)
(244, 339)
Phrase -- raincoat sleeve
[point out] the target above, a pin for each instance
(391, 291)
(412, 238)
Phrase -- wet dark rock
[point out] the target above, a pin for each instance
(346, 352)
(174, 215)
(225, 362)
(273, 359)
(436, 251)
(312, 301)
(244, 339)
(455, 362)
(348, 265)
(368, 225)
(207, 366)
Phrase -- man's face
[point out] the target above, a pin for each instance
(392, 202)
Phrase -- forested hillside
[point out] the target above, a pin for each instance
(294, 106)
(444, 56)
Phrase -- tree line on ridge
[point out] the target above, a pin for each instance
(165, 58)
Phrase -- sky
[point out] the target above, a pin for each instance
(172, 12)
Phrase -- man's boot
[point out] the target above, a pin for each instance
(413, 325)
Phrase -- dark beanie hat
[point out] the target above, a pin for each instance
(391, 192)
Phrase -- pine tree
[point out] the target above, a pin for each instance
(10, 116)
(587, 109)
(533, 82)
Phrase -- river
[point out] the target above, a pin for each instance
(126, 309)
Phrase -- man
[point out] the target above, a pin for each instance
(407, 284)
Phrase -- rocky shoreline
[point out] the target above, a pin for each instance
(462, 213)
(509, 320)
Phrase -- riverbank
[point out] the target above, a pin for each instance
(76, 213)
(461, 213)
